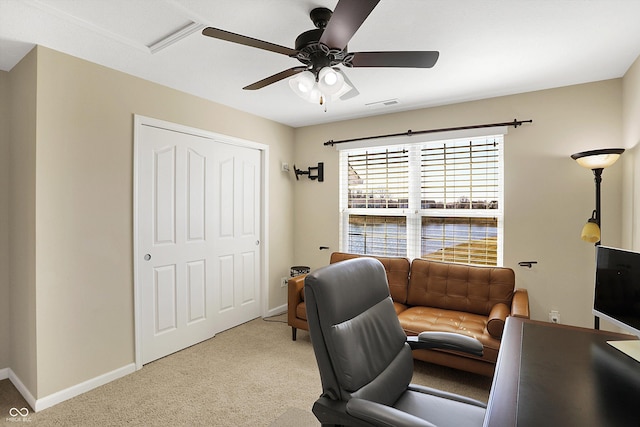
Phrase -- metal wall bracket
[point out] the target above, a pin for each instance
(527, 264)
(312, 172)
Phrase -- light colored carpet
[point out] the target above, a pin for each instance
(295, 417)
(251, 375)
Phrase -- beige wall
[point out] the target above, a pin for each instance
(82, 178)
(22, 205)
(548, 197)
(631, 157)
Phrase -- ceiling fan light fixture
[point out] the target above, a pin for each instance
(328, 76)
(315, 96)
(303, 84)
(330, 81)
(330, 84)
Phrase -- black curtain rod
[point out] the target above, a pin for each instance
(514, 123)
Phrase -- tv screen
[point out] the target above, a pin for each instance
(617, 291)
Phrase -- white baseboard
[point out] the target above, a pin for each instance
(276, 311)
(68, 393)
(78, 389)
(22, 389)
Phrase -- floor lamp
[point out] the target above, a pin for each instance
(597, 161)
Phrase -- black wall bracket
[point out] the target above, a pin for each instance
(313, 172)
(527, 264)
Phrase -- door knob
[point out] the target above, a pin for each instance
(147, 257)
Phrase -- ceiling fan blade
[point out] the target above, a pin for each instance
(353, 92)
(402, 59)
(347, 17)
(275, 78)
(247, 41)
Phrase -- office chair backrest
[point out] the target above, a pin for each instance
(357, 339)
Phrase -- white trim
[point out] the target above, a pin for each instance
(276, 311)
(22, 389)
(83, 387)
(175, 37)
(155, 47)
(218, 137)
(59, 13)
(425, 137)
(264, 253)
(68, 393)
(140, 121)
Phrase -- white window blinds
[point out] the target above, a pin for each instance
(379, 179)
(460, 175)
(438, 200)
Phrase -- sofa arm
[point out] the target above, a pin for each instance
(294, 297)
(520, 304)
(497, 318)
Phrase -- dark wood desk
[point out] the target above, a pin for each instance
(555, 375)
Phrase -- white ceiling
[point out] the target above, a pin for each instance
(487, 48)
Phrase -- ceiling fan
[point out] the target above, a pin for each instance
(322, 49)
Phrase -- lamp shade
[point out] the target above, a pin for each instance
(303, 84)
(598, 159)
(590, 232)
(330, 81)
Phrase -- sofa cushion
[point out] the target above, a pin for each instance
(397, 269)
(399, 307)
(418, 319)
(460, 287)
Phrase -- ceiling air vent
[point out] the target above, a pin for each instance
(381, 104)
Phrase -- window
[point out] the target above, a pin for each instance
(439, 200)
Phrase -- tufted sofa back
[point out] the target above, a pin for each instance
(397, 269)
(459, 287)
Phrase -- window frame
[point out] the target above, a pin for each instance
(414, 212)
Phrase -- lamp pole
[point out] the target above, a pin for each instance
(597, 174)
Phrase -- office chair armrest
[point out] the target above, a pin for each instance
(381, 415)
(446, 341)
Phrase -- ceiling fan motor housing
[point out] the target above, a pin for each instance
(313, 53)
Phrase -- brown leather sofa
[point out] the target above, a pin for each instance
(440, 296)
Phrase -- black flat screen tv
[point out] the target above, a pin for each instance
(617, 294)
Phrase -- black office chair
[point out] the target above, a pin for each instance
(364, 356)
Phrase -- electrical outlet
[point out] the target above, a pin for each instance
(554, 316)
(284, 282)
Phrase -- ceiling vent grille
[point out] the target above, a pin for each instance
(382, 104)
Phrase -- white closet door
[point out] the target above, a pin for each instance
(198, 257)
(236, 225)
